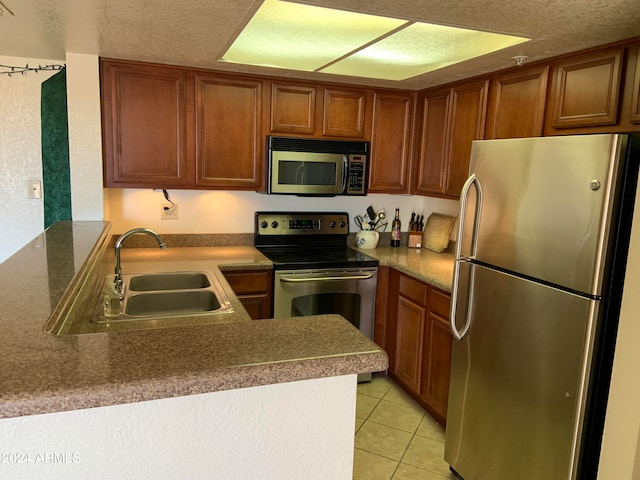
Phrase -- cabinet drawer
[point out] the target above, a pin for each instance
(413, 289)
(439, 302)
(247, 282)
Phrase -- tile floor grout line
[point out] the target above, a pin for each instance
(428, 428)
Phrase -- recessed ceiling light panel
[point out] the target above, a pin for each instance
(294, 36)
(418, 49)
(304, 37)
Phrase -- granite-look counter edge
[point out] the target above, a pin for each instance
(419, 263)
(42, 373)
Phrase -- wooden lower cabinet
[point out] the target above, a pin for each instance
(254, 288)
(418, 341)
(438, 341)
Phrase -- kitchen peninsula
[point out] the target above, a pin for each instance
(168, 402)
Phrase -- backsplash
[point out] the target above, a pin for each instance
(222, 211)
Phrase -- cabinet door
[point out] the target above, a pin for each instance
(391, 142)
(587, 89)
(344, 113)
(516, 103)
(409, 342)
(437, 360)
(144, 118)
(438, 345)
(229, 146)
(468, 115)
(254, 289)
(635, 98)
(430, 161)
(293, 108)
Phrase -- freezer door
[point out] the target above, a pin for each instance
(546, 204)
(517, 380)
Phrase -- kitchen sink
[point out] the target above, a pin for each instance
(171, 303)
(168, 281)
(167, 294)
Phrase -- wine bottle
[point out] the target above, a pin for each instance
(395, 229)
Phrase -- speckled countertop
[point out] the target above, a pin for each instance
(44, 373)
(420, 263)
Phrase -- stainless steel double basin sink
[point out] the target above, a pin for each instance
(152, 295)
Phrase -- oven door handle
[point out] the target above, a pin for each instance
(326, 279)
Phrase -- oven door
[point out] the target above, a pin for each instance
(347, 292)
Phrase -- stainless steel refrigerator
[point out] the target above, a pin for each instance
(541, 256)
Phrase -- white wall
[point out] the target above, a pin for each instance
(620, 457)
(21, 218)
(85, 136)
(232, 212)
(297, 430)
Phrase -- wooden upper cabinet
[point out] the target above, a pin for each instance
(430, 162)
(586, 90)
(293, 108)
(468, 116)
(449, 120)
(517, 102)
(391, 142)
(320, 111)
(229, 146)
(144, 118)
(345, 112)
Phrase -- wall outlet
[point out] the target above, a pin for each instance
(169, 212)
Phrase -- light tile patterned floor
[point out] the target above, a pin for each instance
(395, 438)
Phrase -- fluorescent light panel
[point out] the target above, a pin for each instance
(303, 37)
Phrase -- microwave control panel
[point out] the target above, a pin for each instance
(357, 174)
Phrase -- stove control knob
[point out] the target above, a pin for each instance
(332, 224)
(264, 224)
(274, 224)
(342, 224)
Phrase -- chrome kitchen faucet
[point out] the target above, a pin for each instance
(117, 281)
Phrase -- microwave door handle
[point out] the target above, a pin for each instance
(345, 173)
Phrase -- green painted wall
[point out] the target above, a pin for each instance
(55, 150)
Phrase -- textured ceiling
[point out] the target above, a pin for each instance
(197, 32)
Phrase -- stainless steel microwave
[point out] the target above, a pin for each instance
(314, 167)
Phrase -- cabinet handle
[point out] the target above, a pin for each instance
(471, 181)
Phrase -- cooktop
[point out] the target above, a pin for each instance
(300, 240)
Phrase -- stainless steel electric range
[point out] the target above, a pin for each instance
(315, 272)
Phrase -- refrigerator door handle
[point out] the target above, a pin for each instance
(471, 181)
(460, 334)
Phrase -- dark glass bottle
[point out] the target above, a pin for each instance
(395, 230)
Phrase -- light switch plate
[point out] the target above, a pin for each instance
(35, 189)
